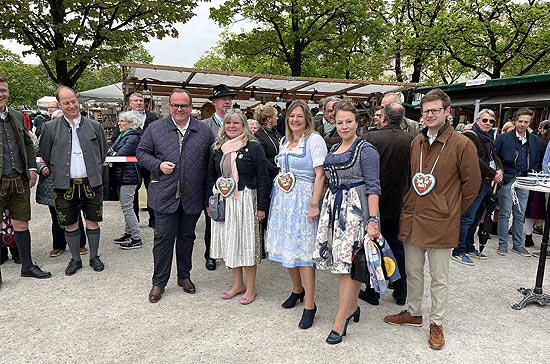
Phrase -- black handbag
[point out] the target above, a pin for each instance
(216, 203)
(359, 270)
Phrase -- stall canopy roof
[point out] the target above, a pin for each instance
(161, 80)
(110, 93)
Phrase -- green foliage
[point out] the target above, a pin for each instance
(434, 42)
(27, 83)
(71, 35)
(498, 38)
(298, 37)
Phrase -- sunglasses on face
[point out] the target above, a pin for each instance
(485, 121)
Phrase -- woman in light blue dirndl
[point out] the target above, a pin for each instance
(295, 206)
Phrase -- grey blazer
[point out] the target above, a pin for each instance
(210, 123)
(55, 147)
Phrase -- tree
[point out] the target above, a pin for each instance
(111, 73)
(296, 33)
(497, 37)
(70, 36)
(27, 83)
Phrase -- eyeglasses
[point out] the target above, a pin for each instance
(485, 121)
(433, 111)
(4, 90)
(180, 106)
(229, 111)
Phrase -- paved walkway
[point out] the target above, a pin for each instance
(106, 317)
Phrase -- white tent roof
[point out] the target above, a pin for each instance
(43, 102)
(111, 93)
(160, 80)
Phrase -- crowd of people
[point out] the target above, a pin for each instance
(310, 195)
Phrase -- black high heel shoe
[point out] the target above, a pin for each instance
(334, 337)
(355, 315)
(307, 318)
(294, 297)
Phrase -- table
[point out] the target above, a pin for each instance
(536, 295)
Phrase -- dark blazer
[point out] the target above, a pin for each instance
(126, 173)
(252, 167)
(331, 138)
(269, 140)
(393, 145)
(507, 145)
(149, 118)
(186, 185)
(487, 173)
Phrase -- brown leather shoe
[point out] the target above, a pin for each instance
(436, 339)
(156, 294)
(188, 286)
(404, 318)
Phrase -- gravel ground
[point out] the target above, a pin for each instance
(106, 317)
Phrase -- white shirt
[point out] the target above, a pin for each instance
(142, 116)
(78, 167)
(522, 139)
(182, 130)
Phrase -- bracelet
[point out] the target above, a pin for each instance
(372, 219)
(315, 205)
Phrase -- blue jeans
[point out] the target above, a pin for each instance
(507, 207)
(467, 220)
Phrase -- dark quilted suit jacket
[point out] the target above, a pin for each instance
(160, 143)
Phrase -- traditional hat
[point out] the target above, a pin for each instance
(222, 91)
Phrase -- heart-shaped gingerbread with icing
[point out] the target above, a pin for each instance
(423, 183)
(286, 181)
(226, 186)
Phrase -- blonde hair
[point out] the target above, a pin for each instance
(507, 127)
(264, 112)
(222, 136)
(309, 120)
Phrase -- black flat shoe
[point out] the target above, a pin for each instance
(307, 318)
(96, 264)
(210, 264)
(294, 297)
(35, 272)
(16, 259)
(73, 266)
(372, 301)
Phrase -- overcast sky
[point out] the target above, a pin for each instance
(196, 36)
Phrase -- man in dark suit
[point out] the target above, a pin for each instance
(137, 104)
(18, 175)
(176, 150)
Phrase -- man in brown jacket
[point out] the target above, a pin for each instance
(446, 180)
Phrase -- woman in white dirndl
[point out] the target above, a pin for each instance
(238, 171)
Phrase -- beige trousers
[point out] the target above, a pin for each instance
(438, 261)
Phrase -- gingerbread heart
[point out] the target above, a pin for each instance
(226, 186)
(423, 183)
(286, 181)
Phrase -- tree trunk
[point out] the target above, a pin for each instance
(398, 70)
(417, 70)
